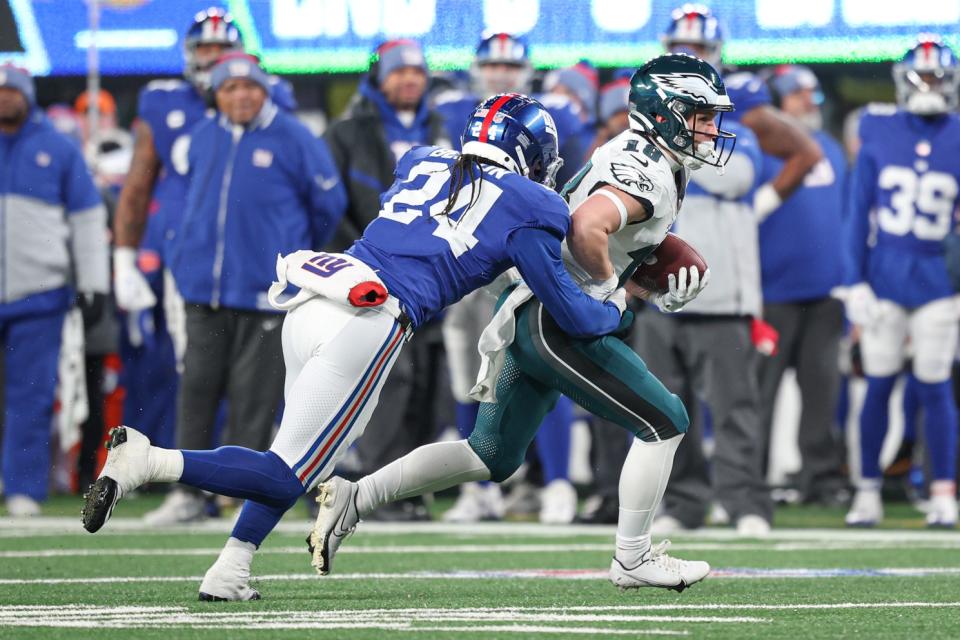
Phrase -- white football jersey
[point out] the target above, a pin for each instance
(634, 165)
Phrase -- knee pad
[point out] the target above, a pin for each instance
(501, 462)
(288, 486)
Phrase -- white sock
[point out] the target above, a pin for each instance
(643, 480)
(166, 465)
(432, 467)
(869, 484)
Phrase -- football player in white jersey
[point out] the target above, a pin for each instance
(625, 199)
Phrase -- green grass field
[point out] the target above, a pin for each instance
(479, 581)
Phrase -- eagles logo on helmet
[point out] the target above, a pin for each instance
(666, 94)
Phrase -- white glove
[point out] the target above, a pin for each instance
(129, 286)
(681, 291)
(766, 200)
(861, 304)
(600, 289)
(618, 299)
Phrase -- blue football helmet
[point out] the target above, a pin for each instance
(517, 133)
(694, 24)
(928, 78)
(211, 26)
(501, 49)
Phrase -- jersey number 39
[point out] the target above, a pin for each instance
(919, 204)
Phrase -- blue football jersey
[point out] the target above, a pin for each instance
(903, 195)
(429, 260)
(747, 91)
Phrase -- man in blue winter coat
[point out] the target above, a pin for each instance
(259, 184)
(53, 251)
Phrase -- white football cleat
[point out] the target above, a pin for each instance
(337, 518)
(21, 506)
(657, 569)
(558, 502)
(752, 526)
(179, 507)
(866, 510)
(227, 582)
(942, 512)
(127, 467)
(477, 502)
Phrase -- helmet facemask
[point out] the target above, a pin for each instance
(928, 78)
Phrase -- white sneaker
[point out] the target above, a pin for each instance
(558, 502)
(337, 518)
(127, 467)
(666, 525)
(228, 580)
(523, 500)
(753, 526)
(942, 512)
(21, 506)
(718, 516)
(866, 510)
(476, 503)
(179, 507)
(657, 569)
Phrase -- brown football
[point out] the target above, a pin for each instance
(673, 253)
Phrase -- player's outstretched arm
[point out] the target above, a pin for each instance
(782, 136)
(536, 253)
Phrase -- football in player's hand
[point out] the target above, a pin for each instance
(672, 254)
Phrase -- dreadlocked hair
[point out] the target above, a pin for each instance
(461, 171)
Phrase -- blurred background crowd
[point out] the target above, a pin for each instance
(136, 293)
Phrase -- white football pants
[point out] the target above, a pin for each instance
(337, 359)
(932, 331)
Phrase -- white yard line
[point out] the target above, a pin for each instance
(10, 527)
(533, 574)
(436, 548)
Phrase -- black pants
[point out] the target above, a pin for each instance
(237, 356)
(710, 358)
(810, 335)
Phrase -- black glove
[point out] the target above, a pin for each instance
(91, 305)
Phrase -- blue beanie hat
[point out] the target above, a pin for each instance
(614, 98)
(581, 79)
(396, 54)
(238, 65)
(790, 78)
(20, 79)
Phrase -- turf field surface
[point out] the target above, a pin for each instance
(479, 581)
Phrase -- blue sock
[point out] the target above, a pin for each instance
(466, 415)
(941, 427)
(911, 408)
(873, 424)
(242, 473)
(553, 441)
(256, 521)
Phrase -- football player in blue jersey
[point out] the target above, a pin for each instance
(451, 223)
(150, 209)
(695, 29)
(903, 195)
